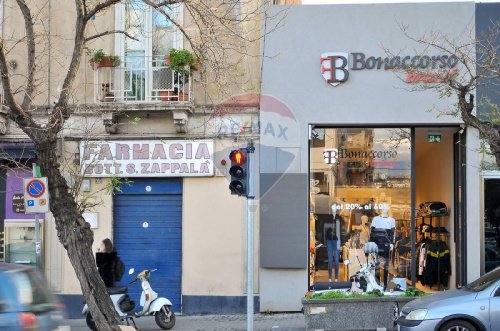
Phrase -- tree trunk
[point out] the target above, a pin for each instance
(487, 131)
(76, 237)
(497, 157)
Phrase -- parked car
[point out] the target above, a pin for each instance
(474, 307)
(491, 258)
(26, 302)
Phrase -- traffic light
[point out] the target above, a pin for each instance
(239, 172)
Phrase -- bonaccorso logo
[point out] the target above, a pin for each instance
(334, 67)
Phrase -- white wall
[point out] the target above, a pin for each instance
(474, 227)
(282, 289)
(212, 243)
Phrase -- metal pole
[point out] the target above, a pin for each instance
(49, 58)
(250, 236)
(37, 230)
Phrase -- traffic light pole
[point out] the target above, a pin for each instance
(250, 237)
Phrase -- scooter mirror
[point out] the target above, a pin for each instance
(347, 262)
(131, 271)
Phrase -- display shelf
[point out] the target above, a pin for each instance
(436, 233)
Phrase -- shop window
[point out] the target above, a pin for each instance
(20, 245)
(363, 217)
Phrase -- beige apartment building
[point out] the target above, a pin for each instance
(167, 133)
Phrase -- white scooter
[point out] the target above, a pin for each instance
(364, 281)
(160, 307)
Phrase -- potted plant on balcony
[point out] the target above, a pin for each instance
(182, 62)
(100, 60)
(107, 95)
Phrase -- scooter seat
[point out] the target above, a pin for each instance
(117, 290)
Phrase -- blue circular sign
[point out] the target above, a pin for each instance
(35, 188)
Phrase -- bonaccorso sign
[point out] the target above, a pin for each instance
(335, 66)
(148, 158)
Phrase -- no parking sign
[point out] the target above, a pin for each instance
(36, 197)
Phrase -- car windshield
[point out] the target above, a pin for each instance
(33, 292)
(483, 282)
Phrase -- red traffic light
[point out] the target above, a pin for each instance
(237, 157)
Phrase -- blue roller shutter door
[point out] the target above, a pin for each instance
(148, 234)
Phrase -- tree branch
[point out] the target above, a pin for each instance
(99, 7)
(30, 40)
(17, 113)
(168, 3)
(105, 33)
(60, 111)
(487, 130)
(174, 22)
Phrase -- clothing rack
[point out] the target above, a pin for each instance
(436, 236)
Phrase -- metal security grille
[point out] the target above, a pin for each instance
(148, 235)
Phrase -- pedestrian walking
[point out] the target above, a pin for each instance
(107, 261)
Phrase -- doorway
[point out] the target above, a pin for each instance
(147, 222)
(491, 217)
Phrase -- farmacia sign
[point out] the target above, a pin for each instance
(148, 158)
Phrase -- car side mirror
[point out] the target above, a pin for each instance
(497, 293)
(3, 306)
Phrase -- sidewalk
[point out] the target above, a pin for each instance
(262, 322)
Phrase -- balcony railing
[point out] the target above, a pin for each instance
(140, 79)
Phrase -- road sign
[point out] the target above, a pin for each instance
(35, 188)
(36, 197)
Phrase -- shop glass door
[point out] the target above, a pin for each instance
(491, 223)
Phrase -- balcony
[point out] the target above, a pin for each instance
(139, 81)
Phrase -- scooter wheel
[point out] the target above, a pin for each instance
(165, 318)
(90, 322)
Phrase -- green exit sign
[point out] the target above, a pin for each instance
(434, 138)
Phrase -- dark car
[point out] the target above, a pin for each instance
(474, 307)
(26, 302)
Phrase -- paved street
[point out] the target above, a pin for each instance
(273, 322)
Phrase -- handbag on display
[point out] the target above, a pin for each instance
(433, 208)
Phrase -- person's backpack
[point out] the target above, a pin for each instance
(119, 269)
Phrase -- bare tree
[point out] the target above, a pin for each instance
(478, 65)
(220, 34)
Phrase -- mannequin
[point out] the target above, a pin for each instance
(364, 234)
(363, 229)
(383, 233)
(331, 232)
